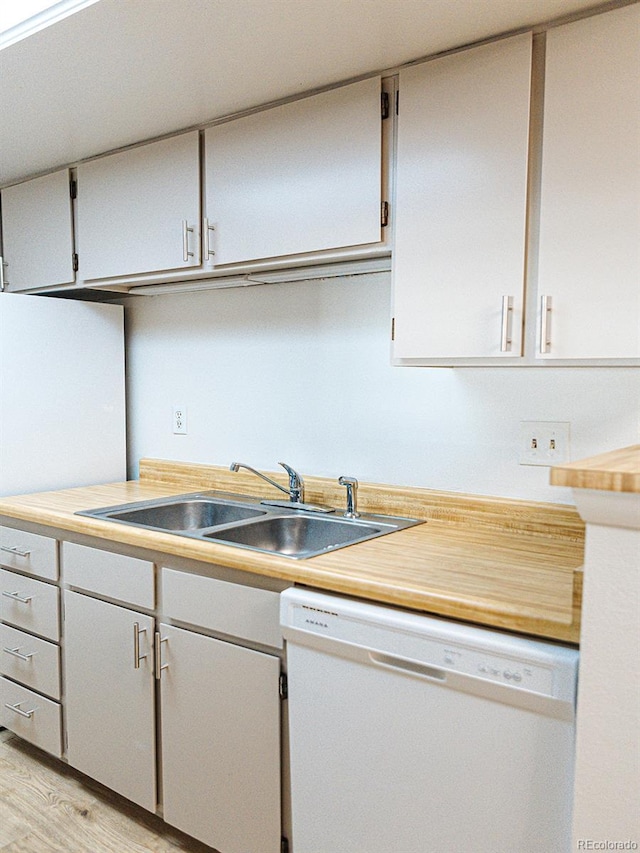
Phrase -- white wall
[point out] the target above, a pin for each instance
(300, 373)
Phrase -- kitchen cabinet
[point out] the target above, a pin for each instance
(221, 771)
(37, 233)
(220, 711)
(139, 209)
(109, 703)
(217, 720)
(29, 553)
(299, 178)
(30, 685)
(589, 261)
(459, 253)
(109, 669)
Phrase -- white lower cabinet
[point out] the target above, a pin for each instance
(33, 662)
(167, 715)
(31, 716)
(110, 696)
(29, 636)
(220, 712)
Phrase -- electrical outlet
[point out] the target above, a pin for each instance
(180, 420)
(544, 442)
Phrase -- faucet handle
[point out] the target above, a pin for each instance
(296, 483)
(351, 485)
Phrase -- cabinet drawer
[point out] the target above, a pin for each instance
(40, 720)
(30, 604)
(29, 552)
(230, 608)
(30, 660)
(116, 576)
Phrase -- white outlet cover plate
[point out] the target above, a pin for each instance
(179, 420)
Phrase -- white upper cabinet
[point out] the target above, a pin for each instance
(299, 178)
(37, 233)
(459, 254)
(589, 263)
(139, 209)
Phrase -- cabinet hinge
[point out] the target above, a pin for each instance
(73, 188)
(393, 328)
(284, 845)
(283, 686)
(384, 213)
(384, 104)
(74, 261)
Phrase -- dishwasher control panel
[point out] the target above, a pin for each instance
(504, 670)
(426, 645)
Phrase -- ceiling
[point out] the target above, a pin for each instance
(121, 71)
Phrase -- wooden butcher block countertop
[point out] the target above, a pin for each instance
(504, 563)
(615, 471)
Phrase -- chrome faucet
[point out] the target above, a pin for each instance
(296, 483)
(352, 496)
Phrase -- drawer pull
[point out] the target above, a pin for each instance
(18, 654)
(13, 549)
(18, 710)
(15, 596)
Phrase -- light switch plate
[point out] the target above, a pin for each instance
(544, 442)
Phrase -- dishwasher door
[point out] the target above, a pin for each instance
(412, 734)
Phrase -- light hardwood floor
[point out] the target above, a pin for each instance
(48, 807)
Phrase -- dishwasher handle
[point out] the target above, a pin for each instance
(409, 667)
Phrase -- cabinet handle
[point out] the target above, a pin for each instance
(186, 230)
(507, 316)
(18, 710)
(18, 654)
(545, 324)
(15, 596)
(2, 266)
(207, 251)
(13, 549)
(137, 657)
(158, 655)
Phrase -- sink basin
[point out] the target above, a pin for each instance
(187, 514)
(244, 522)
(297, 535)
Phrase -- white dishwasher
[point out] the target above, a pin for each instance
(413, 734)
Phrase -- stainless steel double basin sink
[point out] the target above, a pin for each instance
(247, 523)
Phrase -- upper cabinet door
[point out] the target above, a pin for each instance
(302, 177)
(139, 209)
(37, 229)
(589, 267)
(459, 254)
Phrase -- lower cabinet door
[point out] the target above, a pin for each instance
(220, 742)
(110, 690)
